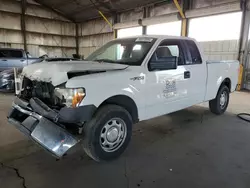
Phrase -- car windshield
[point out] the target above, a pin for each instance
(4, 53)
(129, 51)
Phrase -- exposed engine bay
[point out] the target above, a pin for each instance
(45, 91)
(44, 99)
(42, 90)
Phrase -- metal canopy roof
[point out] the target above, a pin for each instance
(82, 10)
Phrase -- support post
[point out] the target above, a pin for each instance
(23, 26)
(145, 15)
(116, 20)
(77, 38)
(184, 27)
(243, 44)
(184, 23)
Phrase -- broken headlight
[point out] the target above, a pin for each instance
(70, 97)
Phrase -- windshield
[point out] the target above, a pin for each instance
(130, 51)
(4, 53)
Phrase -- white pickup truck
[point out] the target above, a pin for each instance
(96, 102)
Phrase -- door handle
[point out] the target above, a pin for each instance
(22, 60)
(4, 59)
(187, 74)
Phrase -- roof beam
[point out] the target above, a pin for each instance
(95, 5)
(106, 6)
(56, 11)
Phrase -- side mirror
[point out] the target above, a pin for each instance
(27, 55)
(45, 56)
(165, 63)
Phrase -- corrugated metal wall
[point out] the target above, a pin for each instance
(93, 34)
(163, 9)
(208, 3)
(221, 50)
(47, 32)
(52, 34)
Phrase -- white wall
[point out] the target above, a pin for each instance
(218, 35)
(129, 32)
(171, 28)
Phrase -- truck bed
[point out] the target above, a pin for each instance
(217, 71)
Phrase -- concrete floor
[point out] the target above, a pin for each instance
(190, 148)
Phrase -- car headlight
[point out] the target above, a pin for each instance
(70, 97)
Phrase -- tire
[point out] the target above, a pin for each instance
(217, 106)
(103, 129)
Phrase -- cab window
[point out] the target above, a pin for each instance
(168, 49)
(4, 53)
(194, 52)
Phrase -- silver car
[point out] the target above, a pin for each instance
(15, 58)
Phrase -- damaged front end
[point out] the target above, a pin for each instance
(41, 112)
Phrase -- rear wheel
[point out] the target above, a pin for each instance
(108, 134)
(220, 103)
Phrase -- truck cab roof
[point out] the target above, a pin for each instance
(159, 37)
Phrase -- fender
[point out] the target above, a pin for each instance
(100, 87)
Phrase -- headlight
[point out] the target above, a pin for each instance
(71, 97)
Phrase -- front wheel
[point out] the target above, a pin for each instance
(220, 103)
(108, 134)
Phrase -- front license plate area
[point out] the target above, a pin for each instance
(53, 138)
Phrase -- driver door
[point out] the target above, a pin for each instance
(167, 89)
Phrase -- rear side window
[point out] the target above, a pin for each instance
(194, 52)
(11, 54)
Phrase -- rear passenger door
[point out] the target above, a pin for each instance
(198, 73)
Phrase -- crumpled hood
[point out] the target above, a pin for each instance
(56, 72)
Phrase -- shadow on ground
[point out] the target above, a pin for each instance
(189, 148)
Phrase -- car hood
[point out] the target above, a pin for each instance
(57, 73)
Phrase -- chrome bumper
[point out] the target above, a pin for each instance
(41, 130)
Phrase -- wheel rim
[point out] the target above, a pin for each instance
(223, 99)
(113, 135)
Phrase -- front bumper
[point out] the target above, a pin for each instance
(45, 126)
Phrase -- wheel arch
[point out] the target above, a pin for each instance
(227, 82)
(125, 102)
